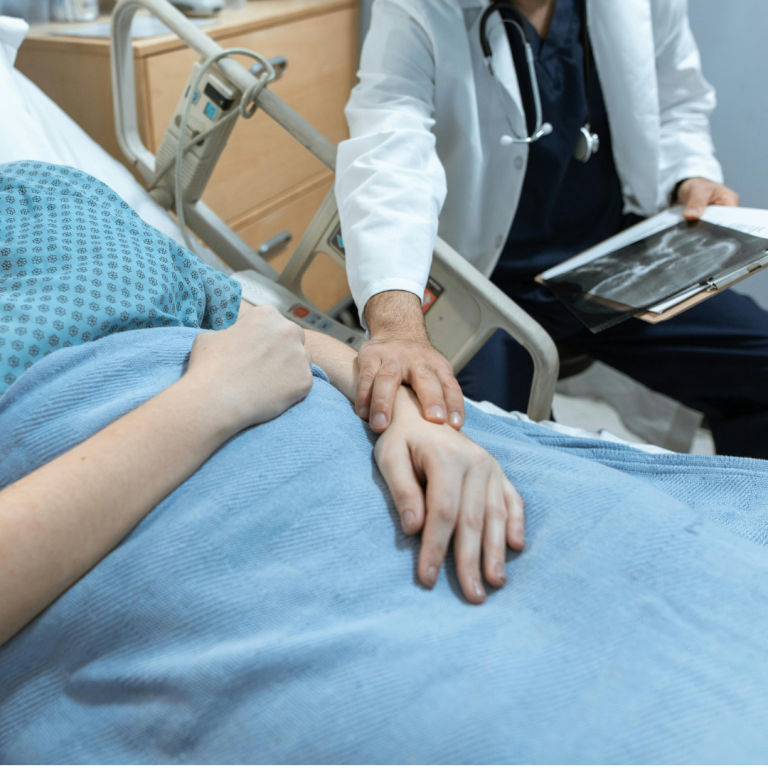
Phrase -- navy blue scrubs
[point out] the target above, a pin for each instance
(713, 358)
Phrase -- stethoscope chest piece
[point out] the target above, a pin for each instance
(587, 144)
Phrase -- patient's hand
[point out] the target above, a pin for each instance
(254, 370)
(467, 497)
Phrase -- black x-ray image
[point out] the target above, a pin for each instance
(622, 283)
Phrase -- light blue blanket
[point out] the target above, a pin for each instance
(267, 611)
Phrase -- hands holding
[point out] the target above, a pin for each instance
(400, 352)
(443, 485)
(697, 193)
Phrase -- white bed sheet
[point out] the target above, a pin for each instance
(33, 127)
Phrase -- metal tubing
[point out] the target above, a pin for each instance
(124, 89)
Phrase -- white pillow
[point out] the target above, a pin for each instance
(32, 127)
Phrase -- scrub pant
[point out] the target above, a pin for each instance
(713, 358)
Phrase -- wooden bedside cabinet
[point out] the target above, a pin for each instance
(265, 183)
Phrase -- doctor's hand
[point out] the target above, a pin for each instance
(399, 351)
(467, 498)
(697, 193)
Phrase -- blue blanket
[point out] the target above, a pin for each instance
(268, 610)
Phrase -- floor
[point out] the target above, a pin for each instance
(594, 414)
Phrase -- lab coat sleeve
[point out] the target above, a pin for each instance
(686, 100)
(390, 184)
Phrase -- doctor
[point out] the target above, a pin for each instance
(520, 163)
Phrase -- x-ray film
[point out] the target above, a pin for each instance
(618, 285)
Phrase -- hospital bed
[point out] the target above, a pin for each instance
(33, 127)
(462, 308)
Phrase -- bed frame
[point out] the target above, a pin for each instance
(463, 308)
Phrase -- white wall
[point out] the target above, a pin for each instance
(733, 39)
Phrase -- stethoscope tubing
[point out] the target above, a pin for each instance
(541, 128)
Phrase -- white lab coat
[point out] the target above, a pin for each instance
(426, 121)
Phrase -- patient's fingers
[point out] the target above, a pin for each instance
(397, 469)
(469, 534)
(444, 485)
(385, 387)
(426, 385)
(495, 531)
(369, 367)
(515, 521)
(454, 398)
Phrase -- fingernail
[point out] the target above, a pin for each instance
(455, 419)
(479, 591)
(408, 520)
(379, 421)
(500, 573)
(431, 575)
(363, 414)
(436, 412)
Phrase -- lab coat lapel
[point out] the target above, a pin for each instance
(503, 65)
(625, 57)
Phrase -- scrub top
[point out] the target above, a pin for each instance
(566, 206)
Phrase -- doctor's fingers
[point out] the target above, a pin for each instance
(725, 196)
(369, 366)
(454, 397)
(395, 464)
(385, 387)
(696, 198)
(425, 382)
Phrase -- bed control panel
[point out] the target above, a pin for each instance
(258, 289)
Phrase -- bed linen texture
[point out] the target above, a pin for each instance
(268, 610)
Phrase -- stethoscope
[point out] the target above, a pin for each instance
(588, 142)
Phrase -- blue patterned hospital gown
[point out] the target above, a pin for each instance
(77, 263)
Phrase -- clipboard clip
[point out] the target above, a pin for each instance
(717, 284)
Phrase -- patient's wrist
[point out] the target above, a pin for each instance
(208, 414)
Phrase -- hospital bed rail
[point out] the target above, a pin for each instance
(465, 307)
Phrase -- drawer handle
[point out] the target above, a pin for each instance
(279, 64)
(270, 248)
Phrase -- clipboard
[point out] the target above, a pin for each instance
(689, 297)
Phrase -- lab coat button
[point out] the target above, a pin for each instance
(499, 241)
(518, 162)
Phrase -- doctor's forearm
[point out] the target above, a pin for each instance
(395, 313)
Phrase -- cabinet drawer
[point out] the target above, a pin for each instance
(261, 160)
(325, 282)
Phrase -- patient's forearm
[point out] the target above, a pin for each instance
(337, 359)
(60, 520)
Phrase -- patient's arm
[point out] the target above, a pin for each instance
(60, 520)
(467, 495)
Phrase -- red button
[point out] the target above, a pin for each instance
(301, 311)
(429, 300)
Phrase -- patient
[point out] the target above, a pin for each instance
(52, 527)
(229, 578)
